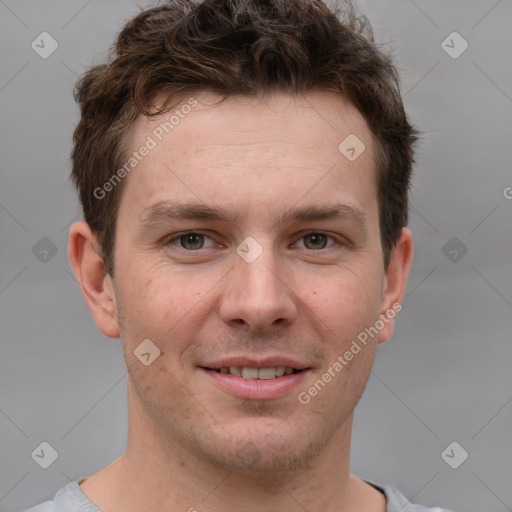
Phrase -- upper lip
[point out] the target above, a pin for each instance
(251, 362)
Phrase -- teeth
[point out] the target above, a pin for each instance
(235, 370)
(266, 373)
(257, 373)
(250, 373)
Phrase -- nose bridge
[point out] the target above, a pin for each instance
(257, 294)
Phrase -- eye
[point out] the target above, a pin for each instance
(191, 241)
(316, 241)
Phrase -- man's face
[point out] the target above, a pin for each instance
(269, 282)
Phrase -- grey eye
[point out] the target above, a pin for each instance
(192, 241)
(315, 240)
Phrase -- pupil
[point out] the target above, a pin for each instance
(192, 241)
(318, 240)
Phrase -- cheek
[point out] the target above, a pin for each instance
(346, 310)
(346, 300)
(165, 306)
(156, 294)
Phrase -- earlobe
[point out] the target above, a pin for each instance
(395, 282)
(95, 283)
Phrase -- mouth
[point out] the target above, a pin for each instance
(253, 380)
(253, 373)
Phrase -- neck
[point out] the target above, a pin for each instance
(160, 473)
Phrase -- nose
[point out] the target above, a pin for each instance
(258, 295)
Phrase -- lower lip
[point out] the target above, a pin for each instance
(257, 389)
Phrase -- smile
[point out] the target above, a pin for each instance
(247, 372)
(256, 383)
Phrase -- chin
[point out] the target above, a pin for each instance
(259, 447)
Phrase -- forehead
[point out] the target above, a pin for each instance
(248, 151)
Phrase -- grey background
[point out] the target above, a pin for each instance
(446, 374)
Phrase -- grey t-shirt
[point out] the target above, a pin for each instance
(71, 499)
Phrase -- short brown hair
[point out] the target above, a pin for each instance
(238, 47)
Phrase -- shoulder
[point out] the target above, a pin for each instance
(396, 502)
(47, 506)
(68, 499)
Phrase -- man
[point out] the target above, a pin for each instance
(243, 167)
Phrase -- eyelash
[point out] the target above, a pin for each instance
(170, 241)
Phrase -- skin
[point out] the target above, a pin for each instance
(187, 437)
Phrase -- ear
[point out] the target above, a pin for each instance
(395, 281)
(95, 283)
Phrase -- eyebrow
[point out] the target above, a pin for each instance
(165, 211)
